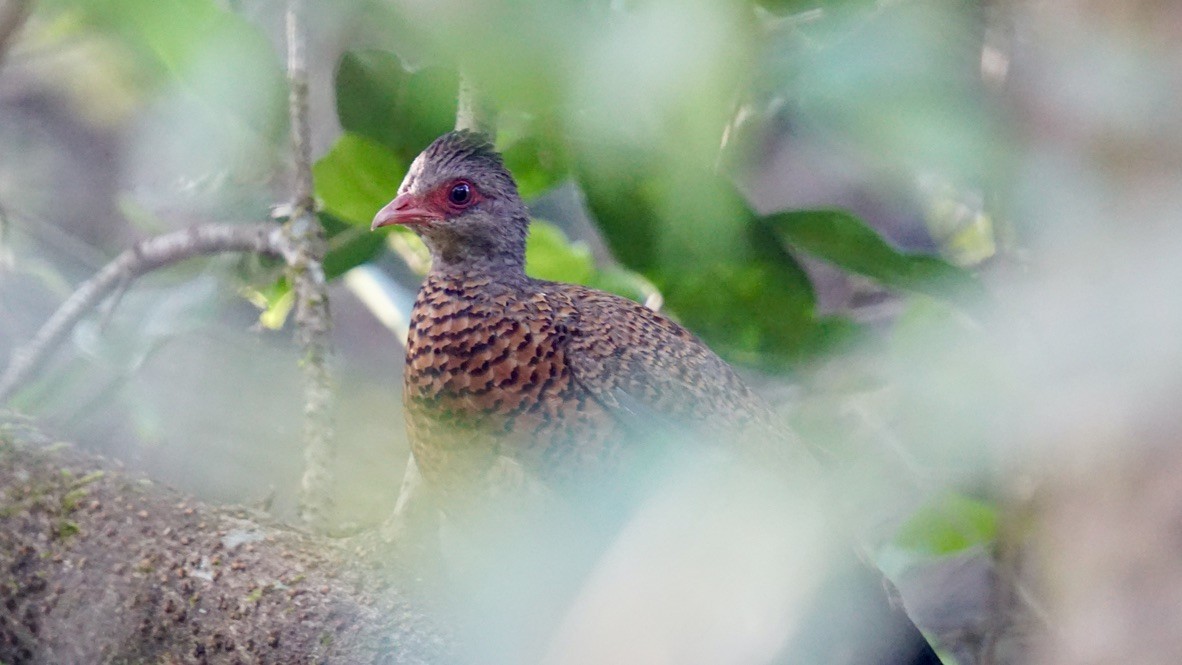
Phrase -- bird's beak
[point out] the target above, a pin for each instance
(405, 209)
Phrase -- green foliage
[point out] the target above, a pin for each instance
(637, 127)
(550, 255)
(947, 525)
(356, 178)
(750, 311)
(378, 98)
(847, 242)
(226, 65)
(536, 156)
(654, 189)
(349, 245)
(203, 88)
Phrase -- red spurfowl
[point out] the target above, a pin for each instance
(554, 377)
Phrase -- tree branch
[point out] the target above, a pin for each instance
(12, 18)
(143, 257)
(100, 566)
(306, 276)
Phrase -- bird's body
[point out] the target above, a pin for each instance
(510, 367)
(562, 381)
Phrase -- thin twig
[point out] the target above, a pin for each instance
(297, 106)
(306, 275)
(12, 18)
(140, 259)
(474, 112)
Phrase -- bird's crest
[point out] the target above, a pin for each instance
(460, 146)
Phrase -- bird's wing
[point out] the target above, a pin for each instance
(647, 370)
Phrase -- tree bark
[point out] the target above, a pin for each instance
(99, 566)
(306, 275)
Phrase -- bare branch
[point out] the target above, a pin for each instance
(13, 16)
(297, 107)
(306, 275)
(143, 257)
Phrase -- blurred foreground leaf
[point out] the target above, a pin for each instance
(215, 55)
(948, 525)
(847, 242)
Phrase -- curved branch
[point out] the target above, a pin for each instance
(145, 256)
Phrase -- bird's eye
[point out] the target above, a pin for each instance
(460, 194)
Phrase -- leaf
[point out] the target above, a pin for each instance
(379, 98)
(757, 313)
(214, 54)
(356, 178)
(624, 282)
(551, 256)
(348, 246)
(617, 196)
(275, 302)
(537, 159)
(721, 270)
(947, 525)
(847, 242)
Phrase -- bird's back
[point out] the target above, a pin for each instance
(555, 377)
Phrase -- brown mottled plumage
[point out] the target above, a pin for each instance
(557, 379)
(552, 376)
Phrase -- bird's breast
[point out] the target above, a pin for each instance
(487, 376)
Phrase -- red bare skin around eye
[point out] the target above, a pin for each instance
(438, 199)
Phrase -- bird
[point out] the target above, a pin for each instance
(560, 380)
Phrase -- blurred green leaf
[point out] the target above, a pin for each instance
(349, 245)
(949, 524)
(757, 313)
(377, 97)
(847, 242)
(657, 213)
(551, 256)
(214, 54)
(900, 95)
(720, 268)
(623, 210)
(356, 178)
(274, 300)
(537, 160)
(624, 282)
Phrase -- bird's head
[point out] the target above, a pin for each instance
(459, 197)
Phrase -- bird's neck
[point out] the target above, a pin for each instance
(494, 267)
(499, 256)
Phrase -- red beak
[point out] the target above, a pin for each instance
(405, 209)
